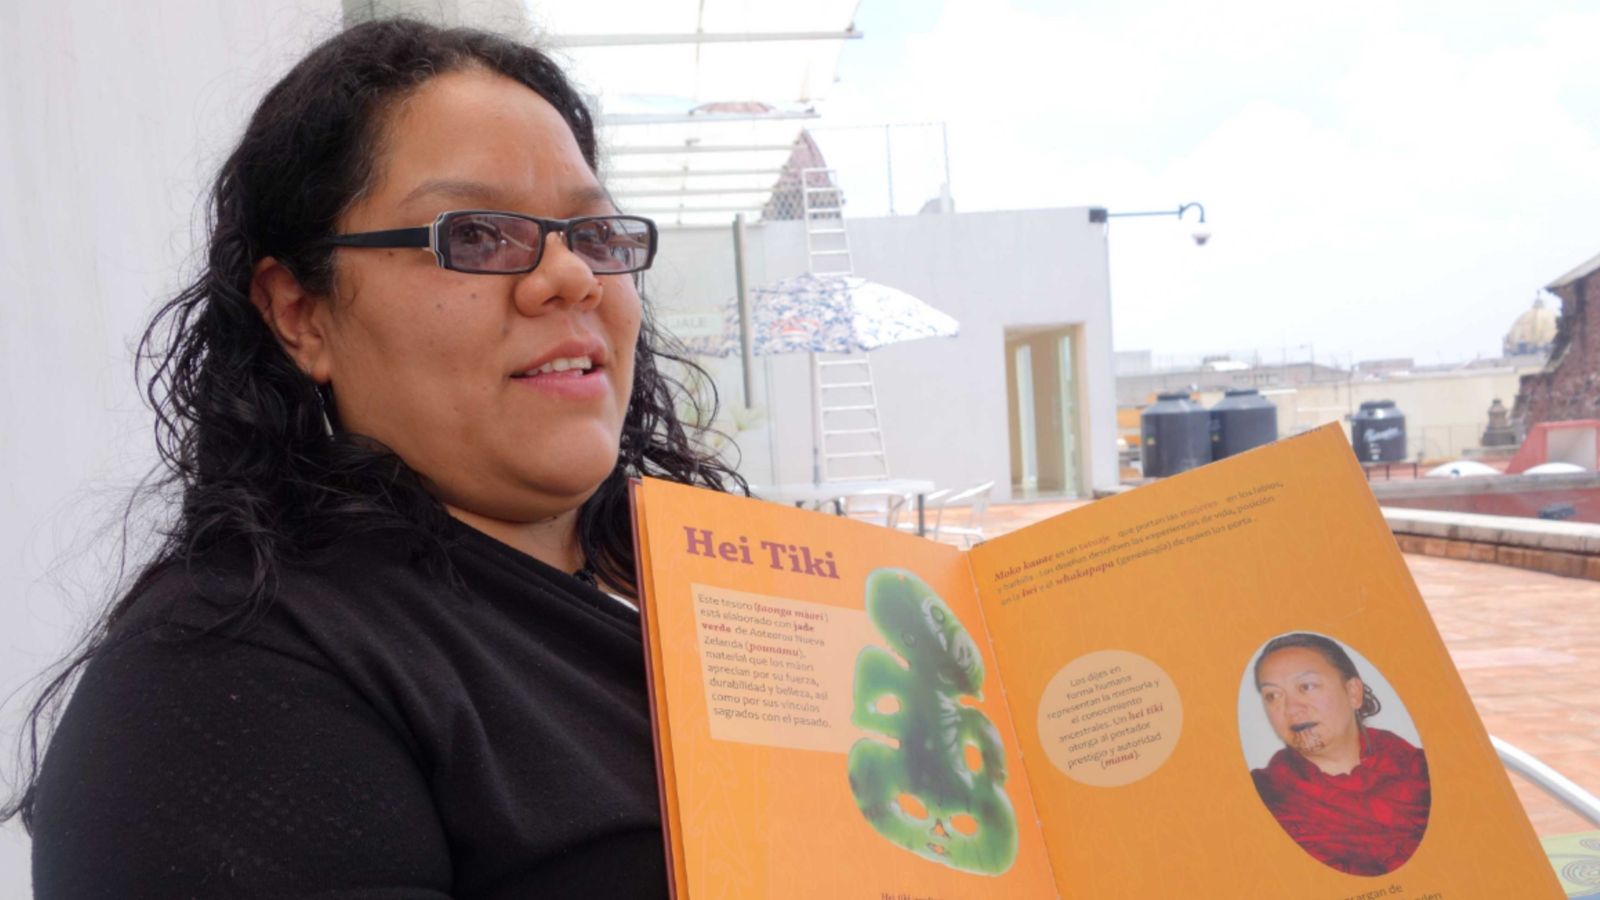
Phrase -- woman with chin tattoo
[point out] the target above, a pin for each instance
(1356, 798)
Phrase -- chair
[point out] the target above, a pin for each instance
(881, 507)
(1548, 780)
(932, 504)
(976, 499)
(830, 505)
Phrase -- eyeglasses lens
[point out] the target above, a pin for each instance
(484, 242)
(617, 244)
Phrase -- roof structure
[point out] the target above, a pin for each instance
(700, 102)
(1587, 268)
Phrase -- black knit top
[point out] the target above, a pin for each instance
(376, 734)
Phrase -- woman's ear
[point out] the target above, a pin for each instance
(1356, 692)
(296, 317)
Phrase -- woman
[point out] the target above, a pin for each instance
(1356, 798)
(402, 403)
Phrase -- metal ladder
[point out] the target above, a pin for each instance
(827, 242)
(851, 444)
(847, 436)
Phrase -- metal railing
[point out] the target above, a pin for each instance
(1548, 780)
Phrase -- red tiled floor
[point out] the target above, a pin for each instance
(1528, 648)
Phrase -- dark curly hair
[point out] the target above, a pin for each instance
(240, 428)
(1336, 657)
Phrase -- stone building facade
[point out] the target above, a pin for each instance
(1569, 385)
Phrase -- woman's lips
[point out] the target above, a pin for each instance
(1305, 737)
(565, 373)
(572, 384)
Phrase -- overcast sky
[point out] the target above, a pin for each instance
(1381, 178)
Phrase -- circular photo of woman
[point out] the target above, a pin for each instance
(1333, 753)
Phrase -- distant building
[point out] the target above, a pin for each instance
(1533, 331)
(1220, 374)
(1134, 362)
(1568, 387)
(1368, 368)
(1449, 407)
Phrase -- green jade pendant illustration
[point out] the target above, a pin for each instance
(968, 822)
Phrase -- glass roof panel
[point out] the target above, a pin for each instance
(693, 132)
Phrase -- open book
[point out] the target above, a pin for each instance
(1221, 685)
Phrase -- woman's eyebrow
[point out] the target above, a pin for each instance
(589, 196)
(485, 195)
(475, 192)
(1262, 684)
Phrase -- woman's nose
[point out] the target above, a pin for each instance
(562, 279)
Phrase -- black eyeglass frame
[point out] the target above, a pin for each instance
(426, 237)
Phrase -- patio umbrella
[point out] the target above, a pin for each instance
(827, 313)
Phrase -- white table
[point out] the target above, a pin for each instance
(800, 493)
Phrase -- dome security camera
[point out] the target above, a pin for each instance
(1201, 232)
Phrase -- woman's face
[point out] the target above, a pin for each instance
(1311, 706)
(435, 363)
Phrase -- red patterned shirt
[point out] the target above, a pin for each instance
(1366, 822)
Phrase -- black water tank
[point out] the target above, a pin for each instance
(1241, 420)
(1378, 432)
(1176, 434)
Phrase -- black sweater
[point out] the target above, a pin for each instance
(377, 734)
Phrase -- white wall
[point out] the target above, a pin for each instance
(943, 401)
(113, 114)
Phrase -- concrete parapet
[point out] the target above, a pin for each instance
(1427, 488)
(1560, 548)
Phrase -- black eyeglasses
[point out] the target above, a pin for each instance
(487, 242)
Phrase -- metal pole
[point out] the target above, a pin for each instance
(1088, 478)
(888, 158)
(746, 327)
(944, 138)
(816, 420)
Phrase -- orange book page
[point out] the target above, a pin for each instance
(759, 624)
(1128, 632)
(661, 728)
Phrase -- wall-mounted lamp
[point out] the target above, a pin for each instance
(1201, 233)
